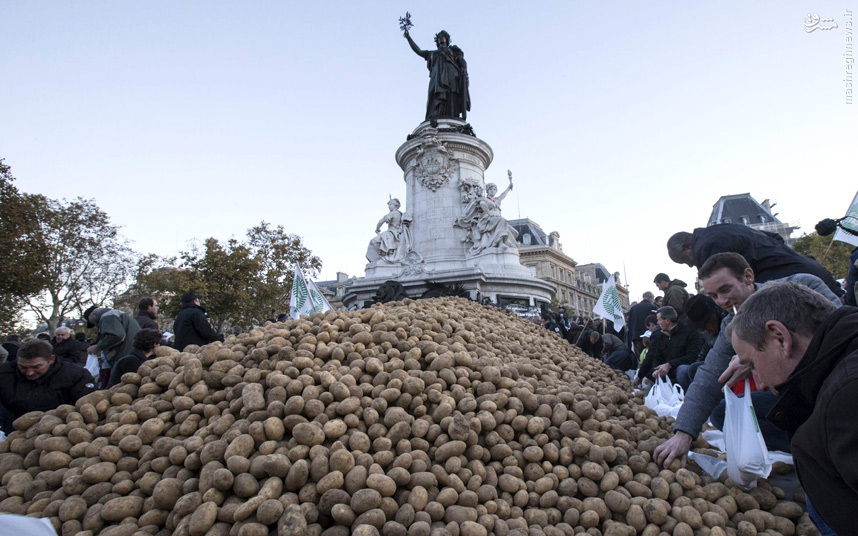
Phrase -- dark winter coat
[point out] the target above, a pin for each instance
(146, 321)
(817, 410)
(192, 327)
(129, 363)
(637, 318)
(592, 350)
(766, 252)
(70, 350)
(679, 347)
(64, 383)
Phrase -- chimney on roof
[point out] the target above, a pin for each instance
(554, 241)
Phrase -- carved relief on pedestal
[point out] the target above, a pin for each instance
(413, 265)
(435, 166)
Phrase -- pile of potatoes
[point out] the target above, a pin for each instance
(416, 418)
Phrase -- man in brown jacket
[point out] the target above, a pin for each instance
(675, 294)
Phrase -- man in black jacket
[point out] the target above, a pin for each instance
(676, 344)
(146, 342)
(38, 381)
(191, 325)
(147, 312)
(67, 348)
(637, 320)
(766, 252)
(805, 349)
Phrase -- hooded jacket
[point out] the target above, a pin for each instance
(116, 332)
(675, 296)
(817, 410)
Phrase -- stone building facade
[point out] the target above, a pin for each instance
(578, 286)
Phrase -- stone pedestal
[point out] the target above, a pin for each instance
(444, 168)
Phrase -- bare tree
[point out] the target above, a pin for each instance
(90, 262)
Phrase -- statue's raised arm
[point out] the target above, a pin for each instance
(425, 54)
(448, 76)
(501, 197)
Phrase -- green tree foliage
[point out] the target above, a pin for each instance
(90, 262)
(833, 255)
(239, 282)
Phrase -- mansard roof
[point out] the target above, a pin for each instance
(742, 209)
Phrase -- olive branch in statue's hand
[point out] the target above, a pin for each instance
(405, 22)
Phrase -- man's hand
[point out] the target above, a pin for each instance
(736, 372)
(675, 448)
(93, 350)
(661, 370)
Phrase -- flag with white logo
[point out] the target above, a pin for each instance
(306, 297)
(608, 306)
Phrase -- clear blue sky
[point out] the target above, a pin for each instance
(622, 122)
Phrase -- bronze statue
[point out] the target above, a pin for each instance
(448, 78)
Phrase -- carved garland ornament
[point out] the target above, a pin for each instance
(434, 167)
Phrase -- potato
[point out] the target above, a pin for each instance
(414, 418)
(202, 519)
(746, 528)
(122, 508)
(167, 493)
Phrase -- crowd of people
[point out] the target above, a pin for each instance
(765, 314)
(768, 315)
(43, 373)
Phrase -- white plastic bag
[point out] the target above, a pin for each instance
(11, 524)
(747, 455)
(665, 397)
(92, 366)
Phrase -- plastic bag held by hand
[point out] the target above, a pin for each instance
(747, 455)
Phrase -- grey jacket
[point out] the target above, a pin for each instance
(116, 332)
(705, 391)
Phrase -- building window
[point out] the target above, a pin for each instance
(745, 220)
(532, 270)
(526, 239)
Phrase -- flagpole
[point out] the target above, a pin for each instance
(583, 328)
